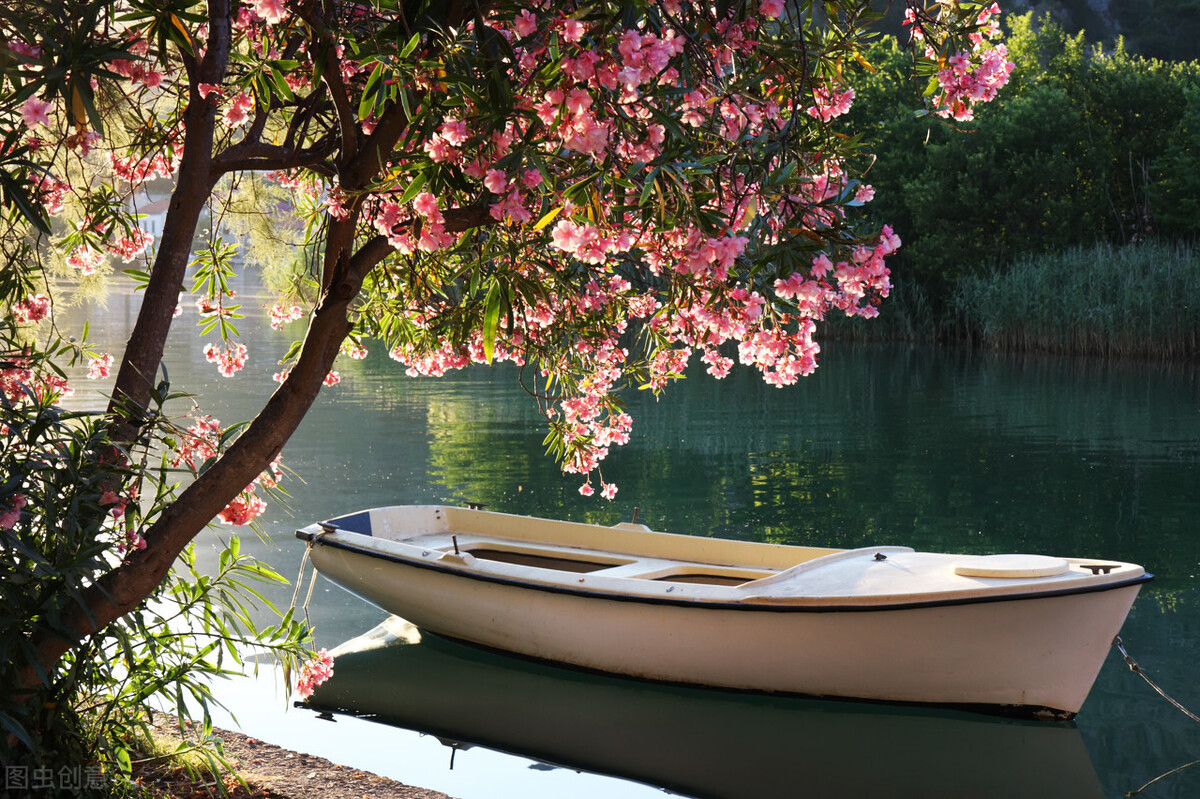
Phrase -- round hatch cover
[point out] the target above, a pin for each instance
(1011, 566)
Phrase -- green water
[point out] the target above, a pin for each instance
(948, 451)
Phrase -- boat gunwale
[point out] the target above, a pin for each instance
(315, 537)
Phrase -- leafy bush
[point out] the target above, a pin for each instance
(62, 526)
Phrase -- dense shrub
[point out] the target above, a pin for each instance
(1086, 146)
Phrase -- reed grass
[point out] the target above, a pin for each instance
(1141, 299)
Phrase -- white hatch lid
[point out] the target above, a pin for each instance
(1011, 566)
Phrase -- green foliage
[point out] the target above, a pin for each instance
(1175, 196)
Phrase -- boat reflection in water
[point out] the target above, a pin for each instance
(697, 742)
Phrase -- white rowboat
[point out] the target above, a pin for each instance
(1013, 633)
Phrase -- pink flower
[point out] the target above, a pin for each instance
(98, 368)
(35, 112)
(230, 360)
(830, 104)
(238, 113)
(495, 181)
(608, 490)
(332, 379)
(314, 673)
(118, 504)
(13, 515)
(771, 8)
(426, 205)
(353, 349)
(200, 442)
(273, 11)
(244, 508)
(573, 30)
(587, 490)
(32, 309)
(86, 259)
(524, 23)
(280, 314)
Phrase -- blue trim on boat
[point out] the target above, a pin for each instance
(354, 523)
(708, 605)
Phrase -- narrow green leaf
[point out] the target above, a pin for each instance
(412, 45)
(414, 188)
(491, 320)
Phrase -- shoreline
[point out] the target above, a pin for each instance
(274, 772)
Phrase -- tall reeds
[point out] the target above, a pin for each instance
(1140, 299)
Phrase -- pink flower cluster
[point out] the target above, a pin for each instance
(314, 673)
(129, 247)
(99, 367)
(969, 77)
(86, 259)
(138, 71)
(18, 378)
(245, 508)
(32, 309)
(35, 112)
(423, 228)
(230, 359)
(965, 82)
(270, 11)
(829, 104)
(280, 314)
(238, 112)
(139, 169)
(51, 192)
(200, 443)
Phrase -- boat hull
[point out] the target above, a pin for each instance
(1030, 654)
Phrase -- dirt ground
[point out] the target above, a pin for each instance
(276, 773)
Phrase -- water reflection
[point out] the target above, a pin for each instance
(700, 743)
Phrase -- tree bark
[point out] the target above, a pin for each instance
(147, 341)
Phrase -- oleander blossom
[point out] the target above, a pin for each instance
(100, 367)
(280, 314)
(313, 673)
(243, 509)
(968, 77)
(230, 359)
(271, 11)
(622, 204)
(35, 112)
(31, 310)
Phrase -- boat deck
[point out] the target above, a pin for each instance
(630, 560)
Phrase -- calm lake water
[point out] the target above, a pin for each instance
(941, 450)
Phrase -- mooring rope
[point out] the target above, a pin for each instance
(1175, 770)
(300, 578)
(1136, 669)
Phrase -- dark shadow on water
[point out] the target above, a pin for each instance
(695, 742)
